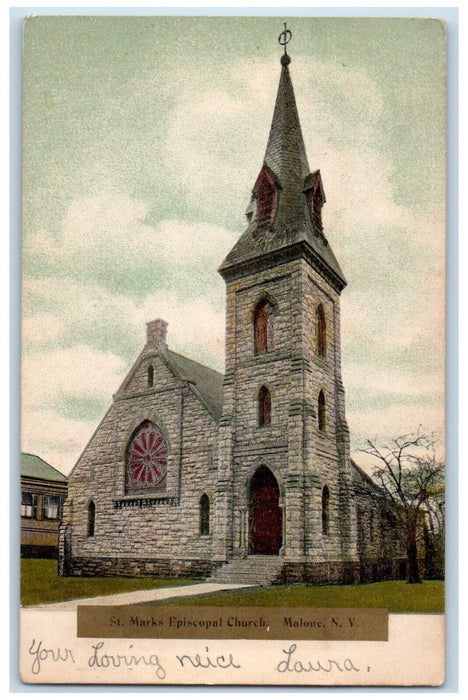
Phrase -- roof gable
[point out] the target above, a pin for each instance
(169, 369)
(36, 468)
(206, 383)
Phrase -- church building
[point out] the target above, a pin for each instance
(245, 476)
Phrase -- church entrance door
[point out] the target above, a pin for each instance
(265, 515)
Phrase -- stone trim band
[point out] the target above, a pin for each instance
(145, 502)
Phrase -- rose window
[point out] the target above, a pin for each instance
(147, 457)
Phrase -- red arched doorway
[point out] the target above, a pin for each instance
(265, 515)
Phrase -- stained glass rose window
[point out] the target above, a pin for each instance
(147, 457)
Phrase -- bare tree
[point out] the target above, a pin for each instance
(413, 479)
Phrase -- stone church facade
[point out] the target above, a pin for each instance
(245, 476)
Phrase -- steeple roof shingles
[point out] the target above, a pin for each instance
(286, 157)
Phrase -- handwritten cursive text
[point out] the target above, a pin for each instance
(198, 661)
(292, 665)
(99, 659)
(40, 654)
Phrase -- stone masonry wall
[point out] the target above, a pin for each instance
(163, 529)
(327, 453)
(301, 458)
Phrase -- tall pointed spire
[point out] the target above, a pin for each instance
(285, 141)
(285, 153)
(285, 210)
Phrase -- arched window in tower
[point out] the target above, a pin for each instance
(146, 458)
(263, 327)
(325, 510)
(264, 407)
(91, 519)
(321, 412)
(321, 331)
(204, 515)
(150, 375)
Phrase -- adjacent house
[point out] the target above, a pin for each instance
(43, 492)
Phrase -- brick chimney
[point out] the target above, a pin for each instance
(156, 334)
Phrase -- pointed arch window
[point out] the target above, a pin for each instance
(150, 376)
(321, 412)
(315, 196)
(263, 327)
(264, 407)
(91, 519)
(204, 515)
(325, 510)
(265, 202)
(321, 331)
(266, 193)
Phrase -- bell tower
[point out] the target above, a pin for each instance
(284, 466)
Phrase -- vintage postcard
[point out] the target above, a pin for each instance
(233, 351)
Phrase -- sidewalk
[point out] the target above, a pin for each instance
(134, 597)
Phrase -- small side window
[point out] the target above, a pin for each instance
(325, 510)
(321, 331)
(28, 505)
(51, 508)
(322, 422)
(91, 519)
(204, 515)
(264, 407)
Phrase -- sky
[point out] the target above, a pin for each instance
(142, 140)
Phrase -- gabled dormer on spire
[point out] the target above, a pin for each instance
(315, 198)
(266, 195)
(285, 211)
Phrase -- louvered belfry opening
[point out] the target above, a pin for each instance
(266, 201)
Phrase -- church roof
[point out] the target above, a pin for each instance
(207, 382)
(364, 476)
(35, 467)
(286, 158)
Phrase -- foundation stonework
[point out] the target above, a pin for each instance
(189, 469)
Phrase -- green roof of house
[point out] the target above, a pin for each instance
(36, 468)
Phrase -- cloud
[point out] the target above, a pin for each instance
(65, 392)
(154, 201)
(78, 371)
(54, 438)
(105, 239)
(395, 420)
(109, 324)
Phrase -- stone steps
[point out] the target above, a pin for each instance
(256, 569)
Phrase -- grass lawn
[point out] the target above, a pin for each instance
(395, 596)
(40, 583)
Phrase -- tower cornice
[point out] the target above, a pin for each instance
(300, 250)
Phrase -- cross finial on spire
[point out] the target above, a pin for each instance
(284, 39)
